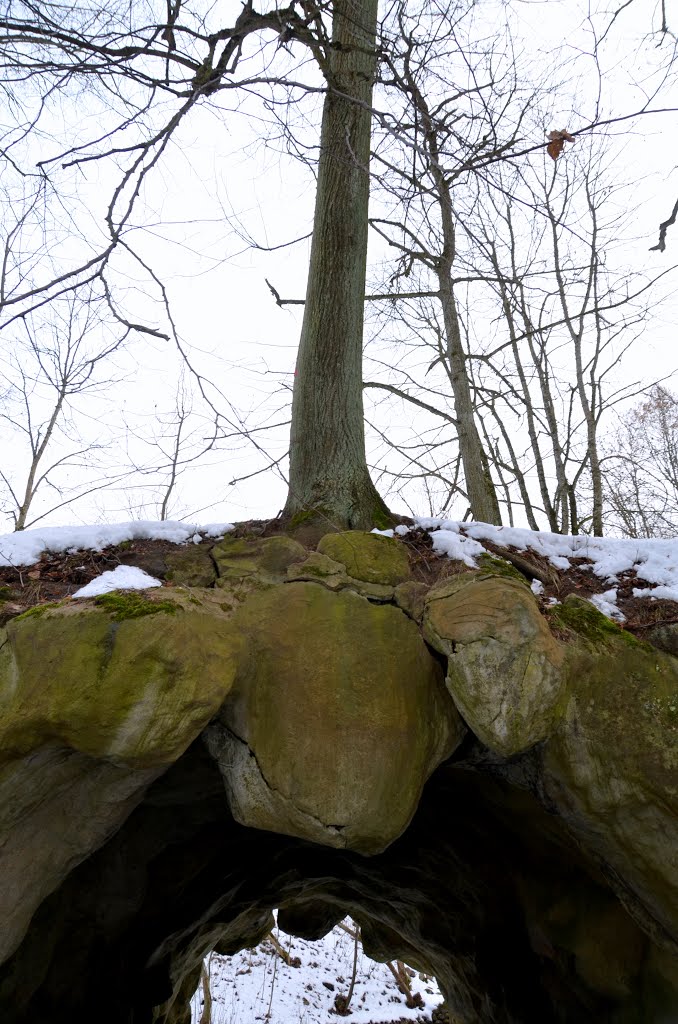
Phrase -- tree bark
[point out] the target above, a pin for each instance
(328, 470)
(480, 489)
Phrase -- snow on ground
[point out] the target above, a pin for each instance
(257, 985)
(26, 547)
(123, 577)
(653, 563)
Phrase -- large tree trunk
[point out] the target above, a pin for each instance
(328, 470)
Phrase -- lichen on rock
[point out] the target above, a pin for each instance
(505, 669)
(337, 716)
(96, 677)
(368, 556)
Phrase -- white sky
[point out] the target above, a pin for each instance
(219, 298)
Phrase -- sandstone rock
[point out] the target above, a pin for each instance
(533, 874)
(309, 919)
(56, 807)
(248, 929)
(504, 665)
(267, 558)
(410, 596)
(191, 566)
(96, 698)
(368, 556)
(611, 767)
(97, 677)
(337, 717)
(665, 638)
(150, 561)
(319, 568)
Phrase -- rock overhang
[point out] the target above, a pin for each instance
(306, 750)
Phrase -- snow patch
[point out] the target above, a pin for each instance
(670, 593)
(123, 577)
(26, 546)
(653, 560)
(257, 985)
(456, 545)
(607, 604)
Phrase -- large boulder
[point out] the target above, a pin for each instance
(128, 677)
(611, 766)
(487, 785)
(337, 717)
(97, 698)
(504, 667)
(368, 556)
(257, 560)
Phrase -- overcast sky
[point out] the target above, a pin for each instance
(226, 182)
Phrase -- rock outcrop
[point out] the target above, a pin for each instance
(487, 785)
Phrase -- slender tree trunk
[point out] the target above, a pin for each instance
(480, 488)
(328, 469)
(38, 448)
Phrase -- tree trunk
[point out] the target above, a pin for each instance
(480, 489)
(482, 496)
(328, 470)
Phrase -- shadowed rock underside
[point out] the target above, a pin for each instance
(490, 791)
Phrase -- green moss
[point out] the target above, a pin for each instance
(495, 566)
(132, 605)
(368, 556)
(124, 545)
(5, 593)
(309, 515)
(383, 520)
(663, 708)
(581, 617)
(37, 610)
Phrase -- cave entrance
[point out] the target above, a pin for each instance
(483, 891)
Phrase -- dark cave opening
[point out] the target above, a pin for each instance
(484, 890)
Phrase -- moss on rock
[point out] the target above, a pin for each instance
(337, 717)
(133, 678)
(267, 558)
(612, 764)
(492, 565)
(581, 617)
(133, 604)
(37, 610)
(191, 566)
(368, 556)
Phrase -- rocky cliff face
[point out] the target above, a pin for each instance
(489, 787)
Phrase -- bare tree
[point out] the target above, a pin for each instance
(328, 471)
(157, 72)
(571, 318)
(51, 376)
(531, 245)
(144, 72)
(640, 468)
